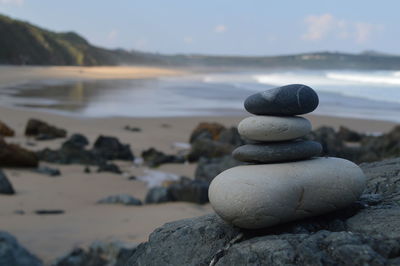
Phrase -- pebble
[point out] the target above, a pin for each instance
(258, 196)
(273, 128)
(277, 152)
(294, 99)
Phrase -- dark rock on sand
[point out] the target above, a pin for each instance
(110, 148)
(73, 151)
(349, 135)
(209, 149)
(13, 254)
(155, 158)
(12, 155)
(98, 254)
(294, 99)
(109, 167)
(208, 168)
(157, 195)
(48, 171)
(6, 131)
(231, 136)
(5, 185)
(49, 212)
(87, 170)
(123, 199)
(365, 233)
(277, 152)
(43, 130)
(69, 155)
(132, 129)
(76, 141)
(212, 140)
(189, 190)
(185, 189)
(206, 130)
(368, 149)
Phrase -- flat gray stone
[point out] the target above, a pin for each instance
(294, 99)
(277, 152)
(274, 128)
(259, 196)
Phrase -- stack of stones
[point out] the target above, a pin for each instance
(285, 180)
(275, 130)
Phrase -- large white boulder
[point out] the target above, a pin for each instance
(258, 196)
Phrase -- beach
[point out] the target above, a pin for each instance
(76, 192)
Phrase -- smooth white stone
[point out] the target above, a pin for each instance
(258, 196)
(274, 128)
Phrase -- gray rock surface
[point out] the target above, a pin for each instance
(294, 99)
(98, 254)
(13, 254)
(5, 185)
(365, 233)
(277, 152)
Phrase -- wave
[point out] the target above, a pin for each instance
(392, 78)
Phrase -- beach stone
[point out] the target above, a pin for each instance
(12, 155)
(12, 253)
(123, 199)
(110, 148)
(277, 152)
(45, 170)
(43, 130)
(294, 99)
(273, 128)
(5, 184)
(5, 130)
(258, 196)
(212, 130)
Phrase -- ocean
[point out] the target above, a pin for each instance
(359, 94)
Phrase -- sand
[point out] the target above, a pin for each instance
(76, 193)
(10, 75)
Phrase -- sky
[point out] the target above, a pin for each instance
(222, 27)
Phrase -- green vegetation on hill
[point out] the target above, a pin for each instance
(22, 43)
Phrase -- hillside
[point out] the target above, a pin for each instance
(22, 43)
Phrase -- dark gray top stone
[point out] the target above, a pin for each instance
(294, 99)
(277, 152)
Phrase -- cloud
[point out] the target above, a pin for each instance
(220, 28)
(188, 39)
(324, 26)
(112, 35)
(318, 26)
(12, 2)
